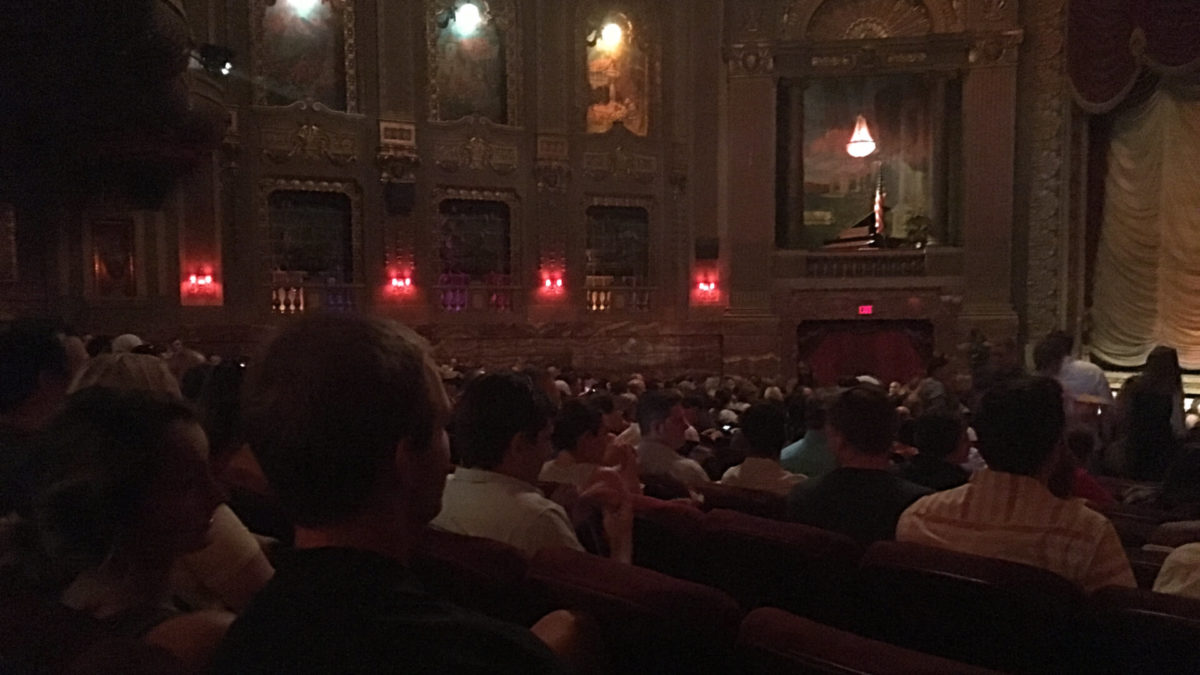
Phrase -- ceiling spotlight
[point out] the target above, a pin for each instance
(467, 19)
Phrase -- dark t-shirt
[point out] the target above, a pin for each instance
(933, 473)
(861, 503)
(350, 611)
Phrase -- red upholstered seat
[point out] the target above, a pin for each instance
(754, 502)
(990, 612)
(774, 641)
(667, 536)
(651, 623)
(768, 562)
(483, 574)
(1136, 630)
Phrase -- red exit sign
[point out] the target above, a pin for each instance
(864, 310)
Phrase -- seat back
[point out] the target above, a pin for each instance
(760, 561)
(990, 612)
(667, 536)
(1136, 630)
(774, 641)
(754, 502)
(485, 575)
(651, 623)
(1176, 533)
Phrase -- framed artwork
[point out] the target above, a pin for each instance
(114, 254)
(304, 51)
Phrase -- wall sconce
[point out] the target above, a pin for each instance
(707, 291)
(200, 289)
(400, 284)
(467, 17)
(552, 283)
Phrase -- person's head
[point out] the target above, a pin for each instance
(1020, 425)
(862, 420)
(693, 406)
(122, 481)
(35, 371)
(660, 417)
(764, 426)
(938, 367)
(126, 343)
(503, 423)
(1004, 354)
(127, 371)
(182, 360)
(1049, 353)
(637, 386)
(941, 435)
(816, 412)
(773, 393)
(346, 415)
(579, 430)
(1162, 373)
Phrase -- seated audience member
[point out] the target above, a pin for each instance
(863, 497)
(764, 427)
(1007, 511)
(1081, 442)
(1180, 572)
(347, 416)
(36, 367)
(942, 444)
(502, 429)
(811, 455)
(123, 490)
(580, 441)
(232, 567)
(663, 425)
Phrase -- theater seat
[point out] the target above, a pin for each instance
(667, 536)
(754, 502)
(482, 574)
(767, 562)
(1176, 533)
(651, 623)
(985, 611)
(774, 641)
(1140, 631)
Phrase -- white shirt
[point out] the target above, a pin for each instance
(481, 503)
(1180, 572)
(656, 459)
(1080, 378)
(631, 436)
(564, 469)
(760, 473)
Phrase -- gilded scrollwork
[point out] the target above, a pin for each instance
(348, 188)
(309, 141)
(751, 59)
(831, 20)
(258, 37)
(476, 154)
(504, 16)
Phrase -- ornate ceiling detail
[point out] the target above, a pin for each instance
(311, 142)
(868, 20)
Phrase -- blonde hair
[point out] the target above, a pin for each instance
(128, 372)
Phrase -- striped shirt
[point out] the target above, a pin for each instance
(1016, 518)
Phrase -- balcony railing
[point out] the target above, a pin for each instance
(459, 293)
(291, 293)
(865, 264)
(617, 294)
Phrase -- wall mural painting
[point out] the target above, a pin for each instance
(311, 232)
(303, 52)
(618, 73)
(471, 73)
(474, 242)
(113, 254)
(618, 244)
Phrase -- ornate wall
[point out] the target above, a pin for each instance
(525, 113)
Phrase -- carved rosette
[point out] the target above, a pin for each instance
(751, 59)
(1047, 105)
(996, 49)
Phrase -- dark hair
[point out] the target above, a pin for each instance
(1019, 423)
(94, 465)
(694, 401)
(654, 408)
(602, 401)
(575, 419)
(1081, 441)
(326, 406)
(937, 434)
(937, 362)
(863, 416)
(29, 348)
(219, 402)
(1162, 374)
(493, 409)
(764, 426)
(1051, 350)
(816, 412)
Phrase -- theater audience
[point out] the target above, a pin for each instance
(502, 431)
(1081, 443)
(764, 428)
(811, 455)
(347, 417)
(863, 497)
(1154, 419)
(36, 368)
(1052, 358)
(123, 490)
(664, 428)
(1006, 511)
(579, 441)
(942, 444)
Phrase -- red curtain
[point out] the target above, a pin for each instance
(1111, 41)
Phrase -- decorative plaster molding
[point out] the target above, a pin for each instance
(996, 49)
(620, 163)
(753, 59)
(309, 141)
(476, 154)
